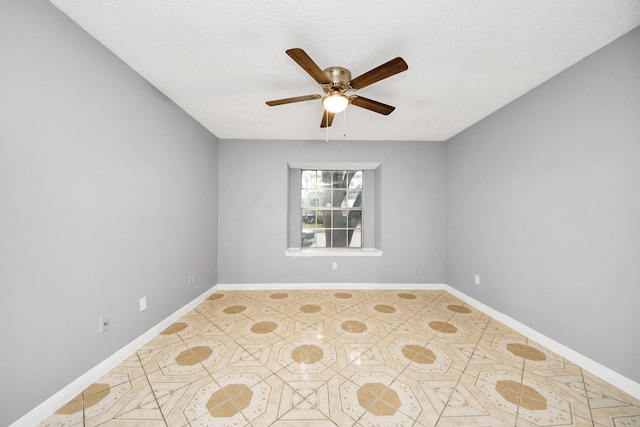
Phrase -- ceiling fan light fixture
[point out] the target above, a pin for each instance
(336, 82)
(335, 103)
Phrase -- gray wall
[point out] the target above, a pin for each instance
(107, 194)
(253, 213)
(543, 202)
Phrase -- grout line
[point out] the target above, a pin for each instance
(461, 375)
(586, 394)
(524, 359)
(152, 390)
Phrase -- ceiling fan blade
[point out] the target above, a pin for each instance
(303, 60)
(327, 119)
(388, 69)
(294, 99)
(372, 105)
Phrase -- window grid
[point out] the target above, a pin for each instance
(331, 208)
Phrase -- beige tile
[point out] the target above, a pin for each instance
(118, 422)
(470, 421)
(380, 413)
(262, 328)
(348, 358)
(193, 324)
(310, 309)
(343, 401)
(446, 329)
(133, 398)
(250, 355)
(70, 414)
(358, 326)
(180, 363)
(496, 328)
(307, 373)
(561, 418)
(310, 329)
(316, 420)
(306, 359)
(489, 394)
(184, 403)
(266, 399)
(610, 406)
(342, 298)
(563, 392)
(365, 355)
(603, 394)
(388, 312)
(236, 309)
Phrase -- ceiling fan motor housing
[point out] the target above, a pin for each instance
(338, 75)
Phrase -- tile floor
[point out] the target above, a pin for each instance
(345, 358)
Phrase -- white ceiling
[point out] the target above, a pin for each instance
(221, 60)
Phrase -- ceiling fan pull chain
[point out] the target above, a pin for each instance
(344, 135)
(327, 120)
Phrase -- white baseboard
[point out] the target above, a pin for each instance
(46, 408)
(52, 404)
(310, 286)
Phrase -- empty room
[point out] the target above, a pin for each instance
(278, 213)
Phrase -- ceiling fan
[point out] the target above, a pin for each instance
(336, 82)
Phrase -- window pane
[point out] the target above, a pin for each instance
(355, 180)
(324, 179)
(321, 240)
(355, 216)
(340, 179)
(309, 219)
(352, 199)
(356, 238)
(339, 219)
(308, 238)
(309, 179)
(341, 239)
(338, 196)
(324, 218)
(311, 198)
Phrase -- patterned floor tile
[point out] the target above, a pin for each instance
(489, 388)
(133, 398)
(610, 406)
(209, 403)
(570, 389)
(345, 358)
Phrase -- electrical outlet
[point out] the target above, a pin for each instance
(143, 303)
(334, 265)
(104, 323)
(191, 279)
(476, 279)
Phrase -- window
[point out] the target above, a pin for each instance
(331, 208)
(334, 209)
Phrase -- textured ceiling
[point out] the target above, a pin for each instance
(221, 60)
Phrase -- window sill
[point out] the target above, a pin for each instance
(297, 252)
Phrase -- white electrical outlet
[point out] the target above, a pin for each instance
(334, 265)
(104, 323)
(191, 279)
(476, 279)
(143, 303)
